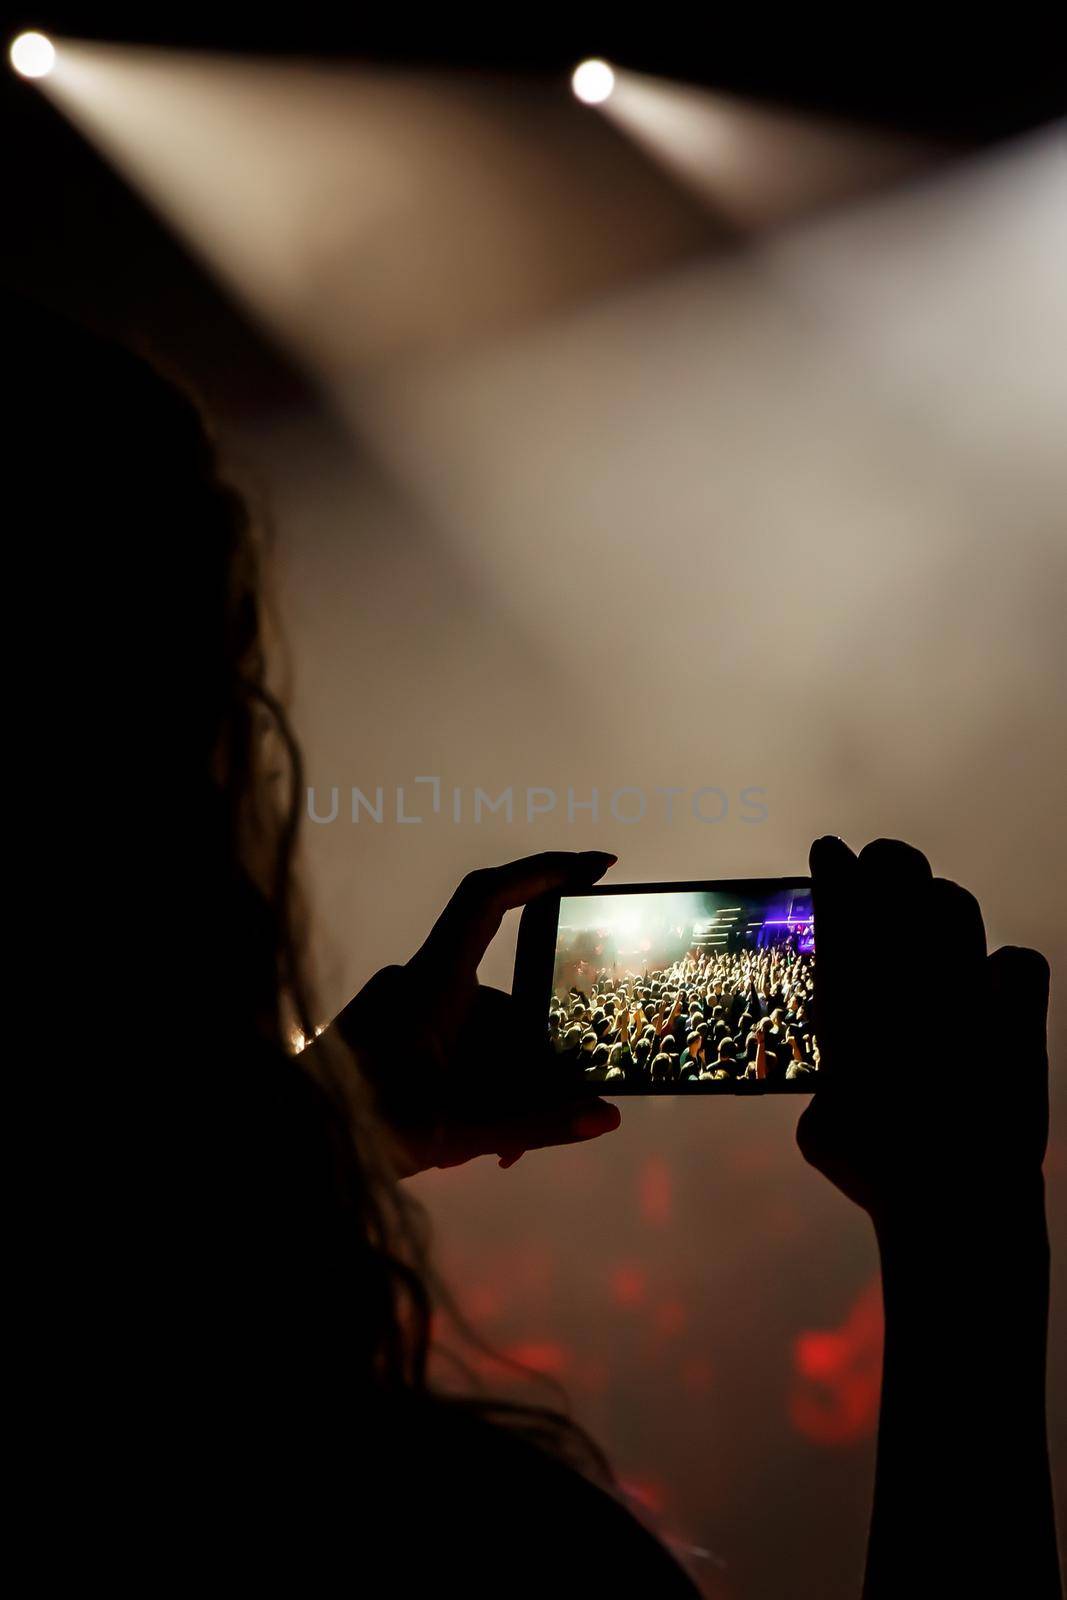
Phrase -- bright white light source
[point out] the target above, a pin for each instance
(32, 55)
(592, 82)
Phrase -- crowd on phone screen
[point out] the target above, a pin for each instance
(709, 1017)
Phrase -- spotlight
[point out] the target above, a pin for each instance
(593, 82)
(32, 55)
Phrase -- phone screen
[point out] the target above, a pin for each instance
(687, 989)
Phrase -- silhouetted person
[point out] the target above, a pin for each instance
(223, 1300)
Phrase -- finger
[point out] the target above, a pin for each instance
(512, 1137)
(957, 925)
(519, 881)
(893, 862)
(833, 878)
(892, 880)
(946, 936)
(848, 893)
(464, 930)
(576, 1126)
(1018, 982)
(827, 852)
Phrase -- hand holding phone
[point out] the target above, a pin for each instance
(911, 1123)
(452, 1072)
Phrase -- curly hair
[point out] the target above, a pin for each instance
(161, 602)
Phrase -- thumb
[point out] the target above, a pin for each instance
(462, 933)
(511, 1137)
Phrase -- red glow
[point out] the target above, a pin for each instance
(542, 1356)
(648, 1492)
(628, 1284)
(837, 1375)
(822, 1356)
(656, 1191)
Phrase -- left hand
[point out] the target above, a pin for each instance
(452, 1075)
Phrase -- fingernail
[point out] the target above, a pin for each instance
(599, 855)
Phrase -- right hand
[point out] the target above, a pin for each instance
(932, 1095)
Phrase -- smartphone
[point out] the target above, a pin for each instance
(674, 988)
